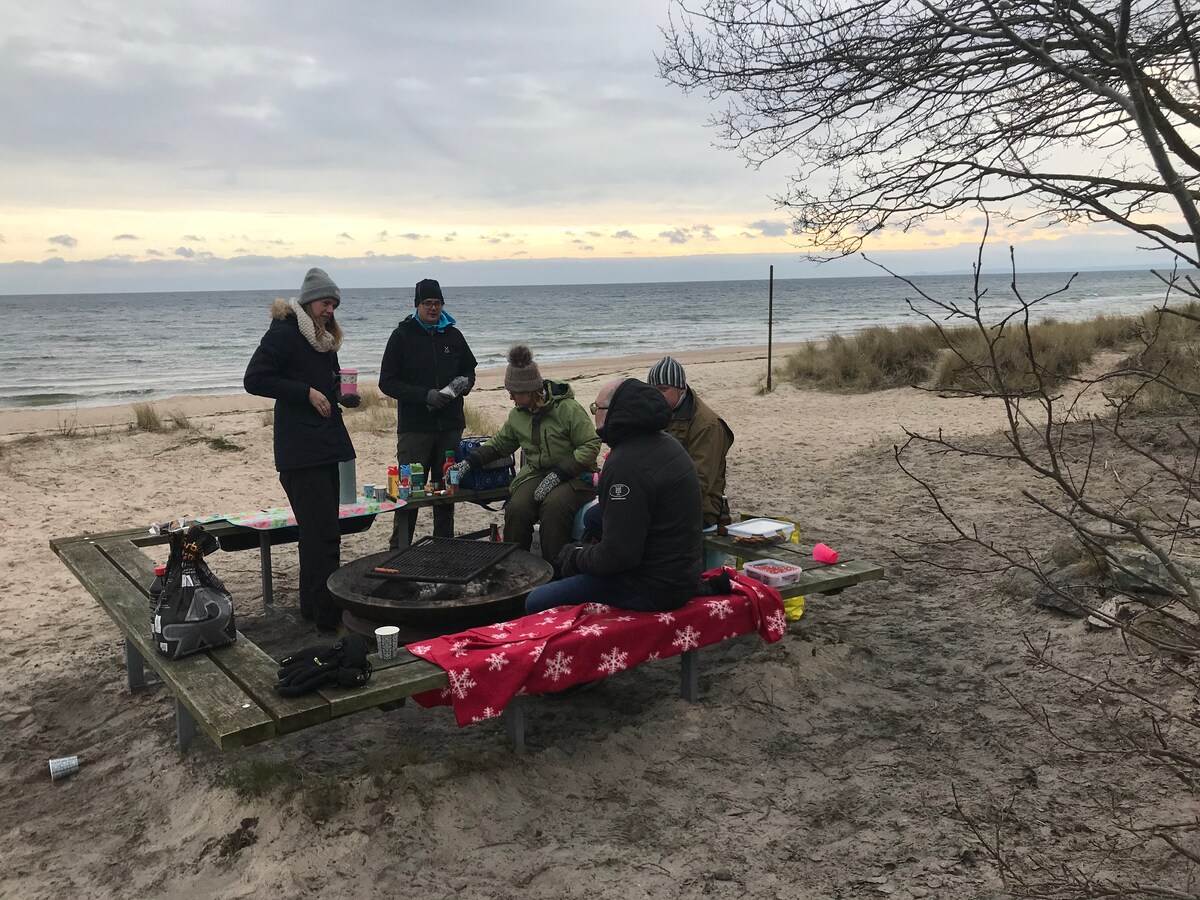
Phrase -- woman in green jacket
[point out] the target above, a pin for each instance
(559, 443)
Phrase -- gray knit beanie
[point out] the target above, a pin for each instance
(522, 375)
(318, 286)
(667, 371)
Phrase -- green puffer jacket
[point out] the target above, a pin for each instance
(558, 436)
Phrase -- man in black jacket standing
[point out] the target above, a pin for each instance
(648, 556)
(428, 368)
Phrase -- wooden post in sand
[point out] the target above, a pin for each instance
(770, 320)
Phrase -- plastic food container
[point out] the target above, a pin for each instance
(771, 529)
(773, 572)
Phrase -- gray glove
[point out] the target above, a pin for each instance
(436, 400)
(459, 385)
(549, 483)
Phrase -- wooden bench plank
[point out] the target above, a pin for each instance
(247, 664)
(227, 714)
(255, 671)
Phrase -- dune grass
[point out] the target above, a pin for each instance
(1013, 359)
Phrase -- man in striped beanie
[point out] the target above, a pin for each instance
(705, 435)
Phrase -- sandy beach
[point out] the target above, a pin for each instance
(824, 766)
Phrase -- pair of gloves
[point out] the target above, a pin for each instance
(343, 664)
(440, 399)
(350, 401)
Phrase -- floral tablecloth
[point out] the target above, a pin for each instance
(282, 517)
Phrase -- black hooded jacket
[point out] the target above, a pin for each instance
(417, 361)
(650, 499)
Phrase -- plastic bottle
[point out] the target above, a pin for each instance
(452, 481)
(447, 464)
(418, 480)
(393, 487)
(405, 482)
(724, 517)
(535, 545)
(156, 587)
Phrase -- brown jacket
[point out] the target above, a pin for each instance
(707, 439)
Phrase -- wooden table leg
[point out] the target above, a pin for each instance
(185, 726)
(514, 724)
(689, 676)
(264, 552)
(135, 668)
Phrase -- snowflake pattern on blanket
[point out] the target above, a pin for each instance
(550, 651)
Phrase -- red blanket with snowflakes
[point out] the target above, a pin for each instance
(549, 651)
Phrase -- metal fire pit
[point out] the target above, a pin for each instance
(439, 607)
(444, 560)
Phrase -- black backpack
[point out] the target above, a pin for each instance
(194, 612)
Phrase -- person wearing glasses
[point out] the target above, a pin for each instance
(559, 447)
(647, 557)
(427, 367)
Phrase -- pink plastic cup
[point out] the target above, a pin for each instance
(348, 381)
(823, 553)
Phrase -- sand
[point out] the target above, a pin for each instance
(826, 765)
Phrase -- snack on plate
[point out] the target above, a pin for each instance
(760, 540)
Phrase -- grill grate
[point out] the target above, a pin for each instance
(444, 560)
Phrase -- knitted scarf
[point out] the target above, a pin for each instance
(322, 341)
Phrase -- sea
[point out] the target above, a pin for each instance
(79, 350)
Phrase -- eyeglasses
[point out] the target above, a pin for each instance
(596, 406)
(433, 304)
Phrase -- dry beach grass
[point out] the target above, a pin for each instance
(827, 765)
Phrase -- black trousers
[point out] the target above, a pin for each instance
(313, 494)
(429, 449)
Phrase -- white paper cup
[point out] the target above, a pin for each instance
(64, 766)
(386, 637)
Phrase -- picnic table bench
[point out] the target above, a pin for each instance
(229, 693)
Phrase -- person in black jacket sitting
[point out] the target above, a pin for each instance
(296, 363)
(648, 554)
(428, 367)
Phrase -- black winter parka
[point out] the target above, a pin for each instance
(417, 361)
(649, 495)
(284, 367)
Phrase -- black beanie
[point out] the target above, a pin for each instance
(428, 289)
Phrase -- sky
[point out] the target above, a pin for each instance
(231, 145)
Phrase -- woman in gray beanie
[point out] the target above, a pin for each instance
(296, 363)
(559, 443)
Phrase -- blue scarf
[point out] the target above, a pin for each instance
(444, 321)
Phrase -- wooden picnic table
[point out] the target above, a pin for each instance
(235, 537)
(228, 693)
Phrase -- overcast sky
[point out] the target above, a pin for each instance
(158, 146)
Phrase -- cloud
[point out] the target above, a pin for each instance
(63, 240)
(196, 239)
(345, 236)
(152, 252)
(767, 228)
(677, 236)
(413, 236)
(185, 252)
(625, 235)
(2, 240)
(125, 237)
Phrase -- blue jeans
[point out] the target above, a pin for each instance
(610, 589)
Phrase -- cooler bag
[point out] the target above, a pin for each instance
(194, 611)
(496, 474)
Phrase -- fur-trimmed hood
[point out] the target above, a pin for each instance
(282, 309)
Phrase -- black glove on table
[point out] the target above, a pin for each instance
(343, 664)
